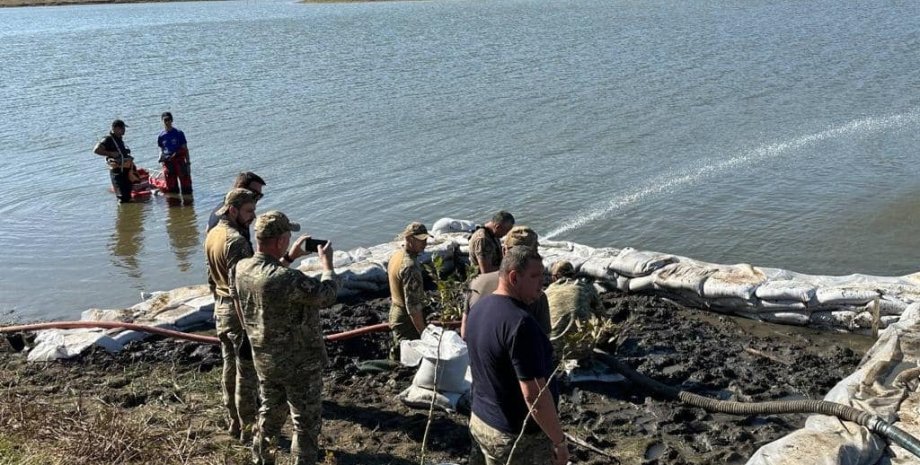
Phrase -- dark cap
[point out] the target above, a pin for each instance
(119, 124)
(273, 224)
(416, 230)
(236, 198)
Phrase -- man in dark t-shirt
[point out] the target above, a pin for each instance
(511, 360)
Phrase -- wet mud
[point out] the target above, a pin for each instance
(706, 353)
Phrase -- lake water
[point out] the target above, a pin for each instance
(781, 134)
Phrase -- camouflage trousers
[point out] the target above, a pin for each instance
(402, 327)
(239, 383)
(492, 447)
(295, 384)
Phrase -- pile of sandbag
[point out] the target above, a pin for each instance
(443, 363)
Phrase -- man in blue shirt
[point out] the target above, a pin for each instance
(511, 360)
(174, 157)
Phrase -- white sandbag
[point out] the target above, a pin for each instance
(360, 254)
(864, 320)
(740, 281)
(597, 268)
(682, 276)
(781, 305)
(622, 283)
(633, 263)
(890, 305)
(786, 318)
(369, 272)
(419, 397)
(450, 225)
(729, 304)
(643, 283)
(786, 290)
(842, 319)
(57, 344)
(452, 360)
(844, 296)
(182, 316)
(123, 315)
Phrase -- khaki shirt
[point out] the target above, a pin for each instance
(484, 244)
(223, 248)
(572, 303)
(407, 289)
(486, 284)
(281, 307)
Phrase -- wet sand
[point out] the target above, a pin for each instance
(705, 353)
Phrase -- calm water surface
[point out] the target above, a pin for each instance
(780, 134)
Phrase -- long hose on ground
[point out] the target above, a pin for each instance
(872, 422)
(377, 328)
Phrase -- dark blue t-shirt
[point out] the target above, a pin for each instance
(506, 346)
(170, 141)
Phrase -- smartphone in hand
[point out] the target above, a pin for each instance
(311, 244)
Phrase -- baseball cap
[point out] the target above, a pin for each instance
(416, 230)
(119, 124)
(521, 235)
(236, 198)
(273, 224)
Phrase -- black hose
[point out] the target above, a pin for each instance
(872, 422)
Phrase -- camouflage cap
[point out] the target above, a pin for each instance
(562, 268)
(416, 230)
(273, 224)
(521, 235)
(236, 198)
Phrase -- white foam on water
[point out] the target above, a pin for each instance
(859, 127)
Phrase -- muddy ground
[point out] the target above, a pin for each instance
(168, 392)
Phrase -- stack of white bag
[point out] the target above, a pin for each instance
(445, 385)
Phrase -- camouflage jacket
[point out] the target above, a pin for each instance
(571, 303)
(484, 244)
(281, 307)
(407, 289)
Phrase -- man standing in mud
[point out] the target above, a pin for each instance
(174, 157)
(118, 157)
(511, 361)
(224, 247)
(485, 242)
(407, 290)
(486, 283)
(281, 312)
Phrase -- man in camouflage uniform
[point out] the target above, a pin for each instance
(281, 312)
(486, 283)
(485, 242)
(572, 304)
(224, 246)
(407, 291)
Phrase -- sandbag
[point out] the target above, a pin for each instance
(450, 225)
(54, 344)
(740, 281)
(842, 319)
(452, 361)
(644, 283)
(123, 315)
(844, 296)
(419, 397)
(682, 276)
(787, 318)
(633, 263)
(597, 268)
(781, 305)
(785, 290)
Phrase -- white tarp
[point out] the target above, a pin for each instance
(874, 387)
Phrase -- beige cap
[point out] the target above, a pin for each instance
(273, 224)
(416, 230)
(236, 198)
(521, 235)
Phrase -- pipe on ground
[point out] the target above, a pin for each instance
(872, 422)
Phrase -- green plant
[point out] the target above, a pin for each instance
(451, 289)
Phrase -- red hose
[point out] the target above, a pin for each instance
(379, 327)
